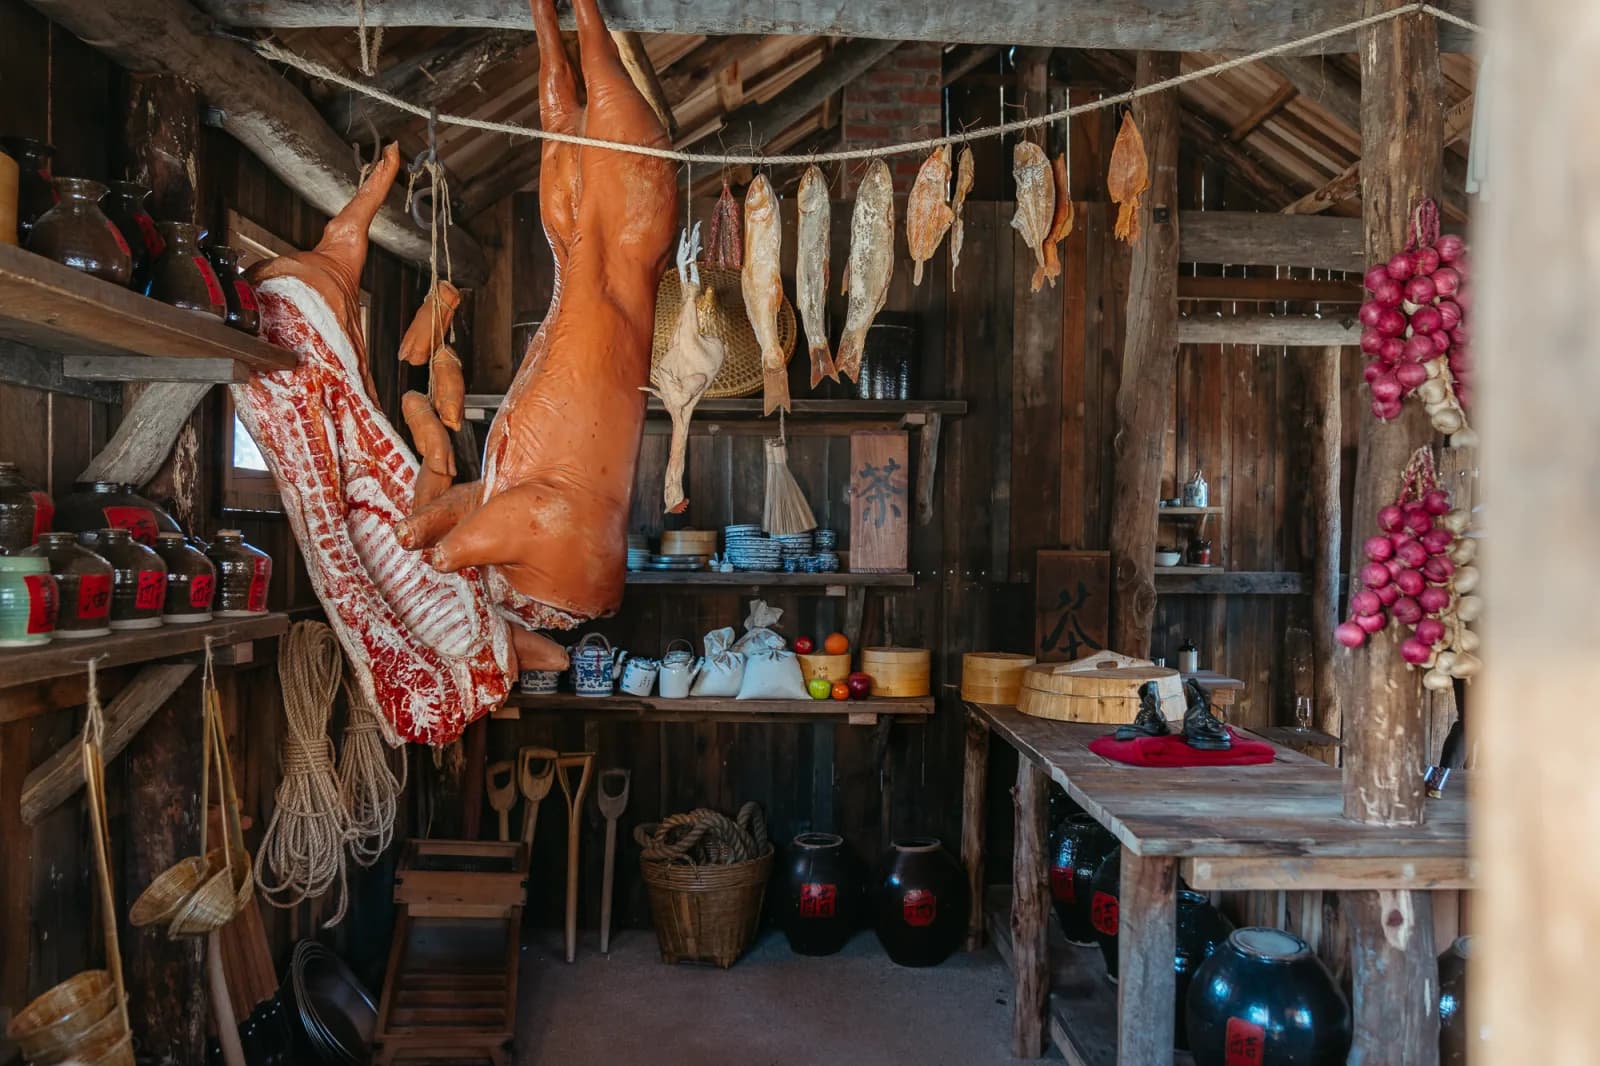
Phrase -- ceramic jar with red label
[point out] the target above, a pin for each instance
(1103, 907)
(191, 580)
(76, 233)
(183, 276)
(920, 904)
(821, 902)
(25, 512)
(1078, 844)
(98, 504)
(243, 574)
(83, 582)
(27, 601)
(244, 313)
(35, 195)
(1264, 998)
(139, 578)
(124, 206)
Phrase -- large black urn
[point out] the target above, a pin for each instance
(1263, 997)
(920, 904)
(1078, 844)
(1459, 1041)
(822, 886)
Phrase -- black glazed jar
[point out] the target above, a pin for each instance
(138, 581)
(1459, 1042)
(191, 580)
(25, 511)
(1201, 930)
(1078, 844)
(920, 902)
(124, 206)
(1263, 997)
(243, 575)
(77, 234)
(35, 194)
(83, 580)
(244, 313)
(97, 504)
(1105, 888)
(822, 884)
(183, 276)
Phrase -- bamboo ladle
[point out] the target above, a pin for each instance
(612, 804)
(574, 797)
(502, 797)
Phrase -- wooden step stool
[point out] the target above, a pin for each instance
(450, 991)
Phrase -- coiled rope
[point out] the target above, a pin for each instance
(705, 837)
(369, 791)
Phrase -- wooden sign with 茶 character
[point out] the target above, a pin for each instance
(880, 511)
(1072, 605)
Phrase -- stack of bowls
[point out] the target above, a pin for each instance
(336, 1013)
(794, 545)
(749, 550)
(638, 551)
(825, 540)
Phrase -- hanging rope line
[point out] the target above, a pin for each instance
(279, 54)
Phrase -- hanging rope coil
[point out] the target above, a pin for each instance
(304, 844)
(369, 791)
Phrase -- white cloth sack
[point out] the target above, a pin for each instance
(772, 674)
(722, 669)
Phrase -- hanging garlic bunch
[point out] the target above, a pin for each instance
(1455, 655)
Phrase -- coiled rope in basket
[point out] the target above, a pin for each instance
(707, 875)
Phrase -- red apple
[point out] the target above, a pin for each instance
(804, 645)
(860, 685)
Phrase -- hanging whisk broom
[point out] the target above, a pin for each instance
(786, 510)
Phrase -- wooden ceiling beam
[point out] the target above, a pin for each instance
(643, 72)
(256, 105)
(1199, 26)
(1249, 238)
(1269, 107)
(428, 80)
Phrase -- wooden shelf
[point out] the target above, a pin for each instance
(481, 407)
(1213, 580)
(1190, 512)
(829, 584)
(656, 709)
(51, 308)
(64, 658)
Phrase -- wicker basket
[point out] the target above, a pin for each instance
(706, 913)
(741, 370)
(65, 1014)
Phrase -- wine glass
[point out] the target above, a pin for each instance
(1302, 713)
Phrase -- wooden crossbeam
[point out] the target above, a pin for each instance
(1294, 331)
(1269, 107)
(428, 80)
(1264, 239)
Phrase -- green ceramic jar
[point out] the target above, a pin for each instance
(27, 601)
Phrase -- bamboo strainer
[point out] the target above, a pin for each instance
(741, 370)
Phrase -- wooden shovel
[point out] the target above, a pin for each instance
(502, 797)
(612, 801)
(585, 759)
(535, 786)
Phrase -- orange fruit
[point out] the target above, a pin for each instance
(841, 691)
(836, 644)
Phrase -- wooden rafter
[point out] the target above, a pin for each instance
(1269, 107)
(427, 80)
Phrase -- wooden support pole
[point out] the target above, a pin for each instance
(1147, 939)
(1395, 977)
(1149, 368)
(974, 808)
(1323, 410)
(1030, 911)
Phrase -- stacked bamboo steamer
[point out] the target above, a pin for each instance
(701, 543)
(993, 676)
(897, 673)
(1102, 689)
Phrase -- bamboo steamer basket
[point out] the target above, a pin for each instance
(897, 673)
(993, 676)
(828, 667)
(689, 542)
(9, 176)
(65, 1014)
(1103, 689)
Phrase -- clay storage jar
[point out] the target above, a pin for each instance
(821, 902)
(83, 580)
(1201, 930)
(25, 512)
(27, 601)
(243, 574)
(76, 233)
(124, 206)
(1459, 1042)
(920, 902)
(244, 314)
(1263, 997)
(191, 580)
(183, 276)
(98, 504)
(138, 580)
(9, 174)
(35, 195)
(1078, 844)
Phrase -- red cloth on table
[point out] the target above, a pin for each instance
(1173, 750)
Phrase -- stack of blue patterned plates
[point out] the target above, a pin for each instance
(749, 550)
(638, 551)
(794, 545)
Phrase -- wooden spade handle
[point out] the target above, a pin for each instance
(502, 797)
(574, 797)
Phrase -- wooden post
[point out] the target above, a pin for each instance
(1147, 939)
(1323, 412)
(974, 778)
(1395, 978)
(1149, 368)
(1536, 740)
(1030, 912)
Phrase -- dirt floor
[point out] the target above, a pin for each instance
(773, 1008)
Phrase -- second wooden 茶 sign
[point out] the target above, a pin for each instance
(880, 493)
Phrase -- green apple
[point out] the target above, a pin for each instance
(819, 687)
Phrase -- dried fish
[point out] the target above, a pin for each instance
(811, 271)
(763, 288)
(928, 214)
(964, 178)
(871, 263)
(1036, 202)
(1061, 224)
(725, 242)
(1128, 178)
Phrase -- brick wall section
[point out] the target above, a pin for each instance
(898, 100)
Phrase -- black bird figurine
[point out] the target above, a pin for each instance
(1149, 722)
(1201, 728)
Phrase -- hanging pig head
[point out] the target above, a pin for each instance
(549, 520)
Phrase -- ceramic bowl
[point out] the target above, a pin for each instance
(1168, 558)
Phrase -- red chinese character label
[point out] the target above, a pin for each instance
(1062, 887)
(147, 229)
(1103, 913)
(140, 522)
(94, 596)
(920, 907)
(151, 590)
(818, 900)
(247, 296)
(41, 602)
(200, 589)
(116, 234)
(257, 600)
(213, 286)
(44, 512)
(1244, 1044)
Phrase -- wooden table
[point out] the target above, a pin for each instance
(1271, 827)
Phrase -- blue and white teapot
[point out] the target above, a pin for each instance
(594, 665)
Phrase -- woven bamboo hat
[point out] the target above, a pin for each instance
(741, 371)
